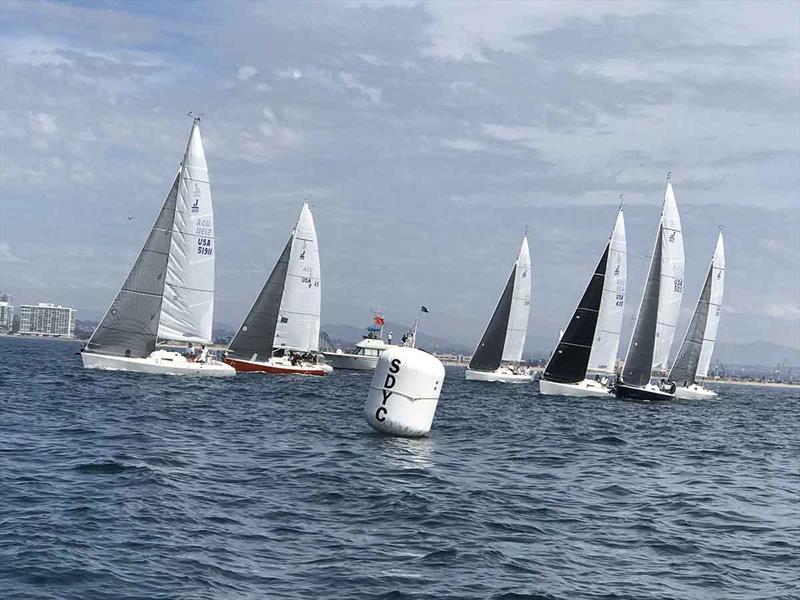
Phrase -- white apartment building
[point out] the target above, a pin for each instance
(47, 320)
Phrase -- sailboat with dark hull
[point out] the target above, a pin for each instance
(280, 333)
(591, 339)
(658, 313)
(498, 355)
(694, 356)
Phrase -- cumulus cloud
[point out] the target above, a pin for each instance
(246, 72)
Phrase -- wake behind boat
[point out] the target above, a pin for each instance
(498, 355)
(591, 339)
(694, 356)
(658, 312)
(169, 292)
(280, 334)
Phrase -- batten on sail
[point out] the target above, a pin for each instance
(188, 307)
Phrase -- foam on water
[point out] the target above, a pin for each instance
(116, 485)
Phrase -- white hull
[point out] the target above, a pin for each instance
(503, 374)
(694, 392)
(342, 360)
(582, 389)
(160, 362)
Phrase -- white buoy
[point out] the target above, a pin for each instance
(404, 392)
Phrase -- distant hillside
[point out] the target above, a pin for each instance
(762, 353)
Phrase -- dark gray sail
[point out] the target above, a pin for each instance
(684, 370)
(571, 357)
(257, 333)
(489, 353)
(639, 361)
(130, 326)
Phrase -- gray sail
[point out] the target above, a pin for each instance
(257, 333)
(639, 361)
(684, 370)
(130, 325)
(489, 353)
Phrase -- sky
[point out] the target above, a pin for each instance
(427, 137)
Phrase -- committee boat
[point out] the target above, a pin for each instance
(168, 295)
(694, 356)
(498, 355)
(658, 313)
(591, 339)
(364, 356)
(280, 333)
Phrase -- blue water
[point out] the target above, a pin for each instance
(117, 485)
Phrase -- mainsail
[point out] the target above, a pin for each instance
(672, 267)
(603, 357)
(504, 336)
(130, 325)
(299, 316)
(188, 306)
(701, 333)
(571, 357)
(517, 328)
(715, 308)
(639, 360)
(286, 314)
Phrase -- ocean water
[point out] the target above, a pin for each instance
(120, 486)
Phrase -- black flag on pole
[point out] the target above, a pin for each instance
(424, 309)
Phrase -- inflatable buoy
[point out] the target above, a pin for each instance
(404, 392)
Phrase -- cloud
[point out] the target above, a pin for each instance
(246, 72)
(6, 255)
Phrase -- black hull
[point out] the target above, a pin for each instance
(632, 392)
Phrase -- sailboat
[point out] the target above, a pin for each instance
(498, 355)
(591, 339)
(280, 334)
(694, 356)
(658, 312)
(169, 292)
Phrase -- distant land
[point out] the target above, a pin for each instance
(760, 353)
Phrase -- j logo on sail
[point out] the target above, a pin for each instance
(196, 205)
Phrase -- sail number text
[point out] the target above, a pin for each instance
(204, 246)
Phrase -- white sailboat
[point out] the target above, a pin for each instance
(658, 313)
(498, 355)
(169, 292)
(591, 339)
(280, 334)
(694, 356)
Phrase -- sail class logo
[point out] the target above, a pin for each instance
(196, 205)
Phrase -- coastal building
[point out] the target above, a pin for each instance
(46, 320)
(6, 313)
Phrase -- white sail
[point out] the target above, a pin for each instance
(520, 306)
(299, 314)
(671, 292)
(188, 307)
(603, 357)
(714, 309)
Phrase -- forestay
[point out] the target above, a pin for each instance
(520, 306)
(299, 315)
(605, 347)
(188, 307)
(672, 268)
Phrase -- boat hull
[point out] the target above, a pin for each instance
(588, 388)
(356, 362)
(647, 393)
(694, 392)
(502, 374)
(158, 363)
(276, 367)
